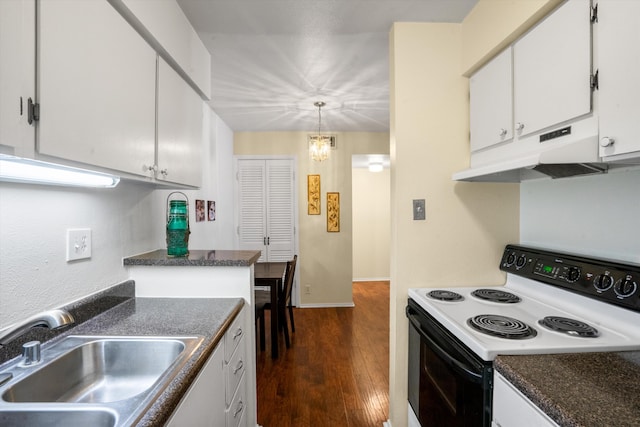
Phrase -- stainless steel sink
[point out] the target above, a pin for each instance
(100, 371)
(88, 380)
(54, 418)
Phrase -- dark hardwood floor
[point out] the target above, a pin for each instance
(336, 372)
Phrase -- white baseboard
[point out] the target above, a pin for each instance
(327, 304)
(372, 279)
(386, 423)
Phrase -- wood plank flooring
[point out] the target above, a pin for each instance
(336, 372)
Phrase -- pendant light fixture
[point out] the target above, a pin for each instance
(319, 145)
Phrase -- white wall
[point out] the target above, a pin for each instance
(371, 224)
(127, 220)
(593, 215)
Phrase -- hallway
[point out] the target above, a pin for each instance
(336, 372)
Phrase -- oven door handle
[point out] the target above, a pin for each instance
(464, 369)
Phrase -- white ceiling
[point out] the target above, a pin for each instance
(272, 59)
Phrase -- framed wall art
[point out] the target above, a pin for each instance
(313, 194)
(333, 212)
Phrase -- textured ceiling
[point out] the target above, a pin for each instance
(272, 59)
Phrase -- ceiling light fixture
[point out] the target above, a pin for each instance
(319, 145)
(376, 167)
(16, 169)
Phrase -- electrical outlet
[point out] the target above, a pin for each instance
(307, 289)
(78, 244)
(419, 210)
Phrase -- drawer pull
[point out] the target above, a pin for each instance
(238, 333)
(239, 366)
(238, 409)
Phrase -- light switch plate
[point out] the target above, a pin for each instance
(419, 209)
(78, 244)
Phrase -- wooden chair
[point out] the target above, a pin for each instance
(263, 303)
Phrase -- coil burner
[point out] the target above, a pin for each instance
(445, 295)
(501, 326)
(568, 326)
(495, 295)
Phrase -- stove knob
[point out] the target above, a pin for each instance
(511, 258)
(603, 282)
(573, 274)
(521, 261)
(625, 287)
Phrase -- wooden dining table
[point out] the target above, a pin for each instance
(271, 274)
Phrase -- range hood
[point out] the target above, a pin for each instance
(555, 161)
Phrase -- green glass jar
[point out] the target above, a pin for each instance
(178, 228)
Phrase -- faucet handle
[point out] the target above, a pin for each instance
(31, 353)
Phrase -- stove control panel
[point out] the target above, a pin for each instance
(605, 280)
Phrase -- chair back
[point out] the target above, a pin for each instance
(288, 280)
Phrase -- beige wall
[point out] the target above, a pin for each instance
(325, 259)
(371, 231)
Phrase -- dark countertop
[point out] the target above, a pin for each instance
(205, 258)
(583, 389)
(116, 311)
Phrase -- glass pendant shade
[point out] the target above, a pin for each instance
(319, 145)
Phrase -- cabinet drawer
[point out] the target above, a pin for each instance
(233, 336)
(511, 408)
(234, 370)
(238, 405)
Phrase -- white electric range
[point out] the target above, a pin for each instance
(550, 303)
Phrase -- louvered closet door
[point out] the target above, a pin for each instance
(252, 227)
(280, 193)
(266, 208)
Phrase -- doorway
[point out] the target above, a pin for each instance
(371, 207)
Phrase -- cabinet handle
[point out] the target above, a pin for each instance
(239, 408)
(519, 126)
(164, 173)
(237, 334)
(607, 141)
(503, 132)
(153, 168)
(238, 367)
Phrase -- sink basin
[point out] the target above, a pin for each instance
(101, 370)
(53, 418)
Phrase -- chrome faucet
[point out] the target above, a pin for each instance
(52, 319)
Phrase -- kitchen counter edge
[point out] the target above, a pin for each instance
(202, 258)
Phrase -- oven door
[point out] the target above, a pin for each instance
(449, 385)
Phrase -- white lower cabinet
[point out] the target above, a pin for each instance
(511, 408)
(204, 403)
(218, 396)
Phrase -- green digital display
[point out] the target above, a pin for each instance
(547, 269)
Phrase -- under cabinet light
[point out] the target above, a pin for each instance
(16, 169)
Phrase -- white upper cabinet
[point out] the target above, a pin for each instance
(180, 129)
(552, 69)
(618, 47)
(168, 30)
(491, 103)
(97, 89)
(17, 75)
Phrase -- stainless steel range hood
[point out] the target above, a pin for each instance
(556, 161)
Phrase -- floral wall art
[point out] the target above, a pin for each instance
(313, 194)
(333, 212)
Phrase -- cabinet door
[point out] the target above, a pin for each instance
(266, 198)
(96, 83)
(511, 408)
(491, 104)
(552, 69)
(180, 137)
(618, 64)
(17, 74)
(204, 404)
